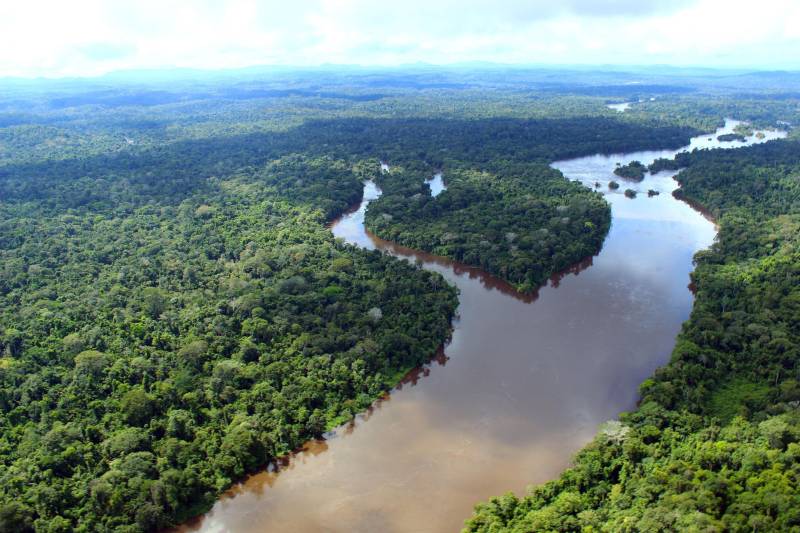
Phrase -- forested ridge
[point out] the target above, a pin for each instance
(715, 441)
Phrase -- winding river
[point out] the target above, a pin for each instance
(523, 385)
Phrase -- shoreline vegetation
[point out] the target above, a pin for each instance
(727, 137)
(177, 316)
(203, 326)
(217, 367)
(499, 223)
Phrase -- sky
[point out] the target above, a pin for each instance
(90, 37)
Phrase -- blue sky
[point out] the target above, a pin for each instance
(90, 37)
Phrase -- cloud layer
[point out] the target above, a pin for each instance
(88, 37)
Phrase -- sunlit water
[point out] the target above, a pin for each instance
(523, 385)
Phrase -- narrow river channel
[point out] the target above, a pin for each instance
(524, 384)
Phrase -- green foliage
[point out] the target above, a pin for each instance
(667, 473)
(663, 164)
(738, 397)
(505, 209)
(728, 137)
(744, 129)
(521, 222)
(633, 171)
(174, 314)
(173, 318)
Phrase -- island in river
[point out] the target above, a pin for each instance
(633, 171)
(175, 315)
(727, 137)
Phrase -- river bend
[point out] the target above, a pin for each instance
(523, 385)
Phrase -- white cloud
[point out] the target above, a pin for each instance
(86, 37)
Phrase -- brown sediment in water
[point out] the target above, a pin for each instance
(268, 474)
(527, 380)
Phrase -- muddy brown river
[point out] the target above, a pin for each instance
(522, 386)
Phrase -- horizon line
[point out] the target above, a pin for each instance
(465, 65)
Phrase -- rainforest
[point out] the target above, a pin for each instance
(227, 297)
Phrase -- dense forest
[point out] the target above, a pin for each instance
(522, 223)
(715, 441)
(633, 171)
(174, 312)
(167, 328)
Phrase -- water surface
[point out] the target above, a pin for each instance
(436, 183)
(524, 384)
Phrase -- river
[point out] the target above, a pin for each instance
(525, 382)
(619, 107)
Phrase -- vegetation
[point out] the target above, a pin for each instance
(744, 129)
(173, 318)
(630, 193)
(505, 209)
(715, 442)
(728, 137)
(174, 314)
(633, 171)
(521, 222)
(663, 164)
(770, 107)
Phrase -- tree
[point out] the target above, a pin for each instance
(137, 406)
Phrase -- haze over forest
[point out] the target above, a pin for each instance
(91, 37)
